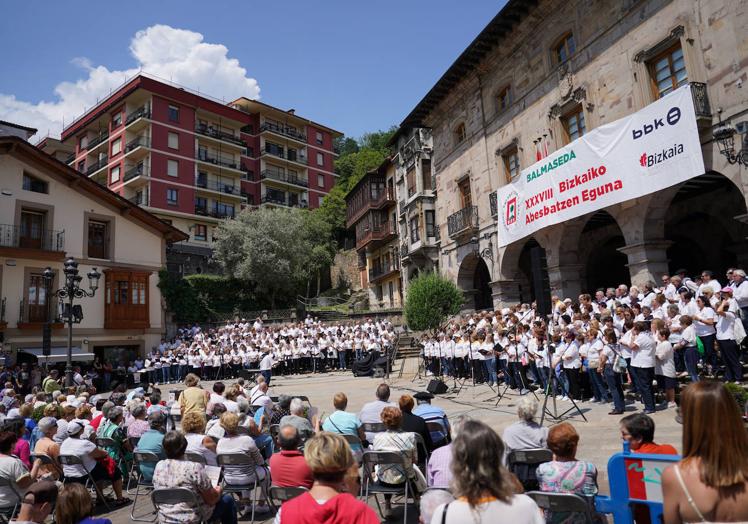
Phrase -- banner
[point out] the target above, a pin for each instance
(645, 152)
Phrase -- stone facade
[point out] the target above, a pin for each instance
(521, 95)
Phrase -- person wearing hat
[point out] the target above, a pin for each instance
(91, 457)
(51, 382)
(431, 413)
(152, 441)
(37, 503)
(727, 318)
(47, 446)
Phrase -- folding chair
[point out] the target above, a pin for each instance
(47, 461)
(438, 427)
(274, 430)
(557, 503)
(75, 460)
(240, 459)
(384, 459)
(524, 463)
(373, 427)
(422, 452)
(139, 458)
(170, 496)
(193, 456)
(106, 443)
(7, 513)
(279, 495)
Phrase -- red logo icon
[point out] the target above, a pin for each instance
(643, 160)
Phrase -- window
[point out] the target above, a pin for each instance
(224, 210)
(564, 49)
(410, 179)
(174, 113)
(32, 233)
(504, 99)
(201, 205)
(201, 232)
(172, 167)
(668, 71)
(426, 173)
(126, 299)
(172, 196)
(511, 164)
(174, 140)
(318, 138)
(98, 239)
(320, 159)
(274, 149)
(82, 142)
(114, 175)
(460, 133)
(320, 180)
(116, 146)
(81, 166)
(574, 124)
(466, 198)
(430, 223)
(116, 120)
(414, 233)
(36, 297)
(31, 183)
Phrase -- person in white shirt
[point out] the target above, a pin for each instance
(572, 363)
(643, 349)
(726, 318)
(708, 280)
(704, 323)
(665, 366)
(266, 367)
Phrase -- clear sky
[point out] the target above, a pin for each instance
(354, 65)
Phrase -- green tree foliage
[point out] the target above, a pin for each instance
(181, 298)
(431, 300)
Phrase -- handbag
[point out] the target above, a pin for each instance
(699, 346)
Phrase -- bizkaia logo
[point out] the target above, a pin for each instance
(671, 118)
(510, 207)
(661, 156)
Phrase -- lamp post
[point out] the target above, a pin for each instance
(724, 135)
(69, 291)
(487, 252)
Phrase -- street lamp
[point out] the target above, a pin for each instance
(69, 291)
(724, 135)
(487, 252)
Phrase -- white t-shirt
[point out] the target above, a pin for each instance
(13, 469)
(81, 448)
(705, 329)
(665, 361)
(726, 326)
(644, 355)
(520, 509)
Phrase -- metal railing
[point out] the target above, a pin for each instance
(23, 237)
(283, 177)
(101, 162)
(141, 112)
(217, 160)
(379, 271)
(219, 135)
(95, 141)
(285, 131)
(204, 211)
(69, 160)
(136, 171)
(404, 249)
(465, 219)
(493, 203)
(140, 199)
(700, 99)
(215, 185)
(283, 201)
(2, 310)
(280, 154)
(141, 141)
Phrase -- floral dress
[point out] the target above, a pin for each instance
(574, 476)
(172, 473)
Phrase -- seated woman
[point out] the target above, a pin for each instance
(138, 425)
(332, 498)
(92, 460)
(112, 428)
(566, 474)
(47, 446)
(74, 506)
(345, 423)
(486, 491)
(193, 426)
(176, 472)
(393, 439)
(232, 442)
(13, 470)
(710, 483)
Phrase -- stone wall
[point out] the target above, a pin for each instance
(344, 268)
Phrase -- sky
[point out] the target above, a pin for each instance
(354, 65)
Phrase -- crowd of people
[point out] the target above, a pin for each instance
(590, 348)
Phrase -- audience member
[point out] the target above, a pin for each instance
(152, 441)
(47, 446)
(37, 503)
(431, 413)
(193, 397)
(439, 468)
(432, 499)
(345, 423)
(288, 468)
(299, 420)
(638, 430)
(13, 471)
(193, 426)
(415, 424)
(525, 433)
(371, 412)
(74, 506)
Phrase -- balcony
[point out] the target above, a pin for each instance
(493, 203)
(141, 112)
(205, 211)
(70, 159)
(701, 100)
(135, 143)
(282, 200)
(376, 232)
(280, 154)
(283, 131)
(248, 173)
(217, 134)
(221, 187)
(283, 177)
(95, 141)
(19, 237)
(380, 272)
(217, 160)
(99, 164)
(135, 172)
(375, 198)
(140, 199)
(401, 207)
(462, 222)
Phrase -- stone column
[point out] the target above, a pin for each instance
(505, 293)
(565, 280)
(647, 260)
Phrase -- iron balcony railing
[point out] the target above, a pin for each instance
(404, 249)
(700, 100)
(284, 201)
(215, 185)
(218, 134)
(283, 177)
(33, 238)
(95, 141)
(140, 199)
(379, 271)
(101, 162)
(285, 131)
(141, 112)
(215, 213)
(70, 159)
(217, 160)
(493, 204)
(136, 171)
(280, 154)
(140, 141)
(465, 219)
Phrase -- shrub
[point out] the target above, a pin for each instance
(431, 300)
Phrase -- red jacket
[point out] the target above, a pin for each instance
(341, 509)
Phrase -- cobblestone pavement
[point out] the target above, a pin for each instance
(599, 435)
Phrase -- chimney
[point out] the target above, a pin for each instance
(291, 111)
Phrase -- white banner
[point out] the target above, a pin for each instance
(645, 152)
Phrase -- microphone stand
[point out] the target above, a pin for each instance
(502, 393)
(550, 391)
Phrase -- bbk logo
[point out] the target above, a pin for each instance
(672, 118)
(657, 158)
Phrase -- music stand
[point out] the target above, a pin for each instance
(550, 391)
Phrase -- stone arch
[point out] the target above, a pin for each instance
(474, 279)
(602, 263)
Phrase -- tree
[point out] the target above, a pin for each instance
(431, 300)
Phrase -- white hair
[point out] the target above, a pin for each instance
(432, 499)
(527, 408)
(296, 407)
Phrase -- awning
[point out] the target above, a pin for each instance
(58, 354)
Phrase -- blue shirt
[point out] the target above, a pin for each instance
(431, 413)
(344, 423)
(151, 441)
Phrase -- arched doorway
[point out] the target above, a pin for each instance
(474, 279)
(605, 266)
(524, 272)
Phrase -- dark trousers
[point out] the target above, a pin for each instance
(225, 510)
(692, 361)
(573, 376)
(599, 391)
(731, 355)
(710, 356)
(645, 377)
(267, 374)
(615, 386)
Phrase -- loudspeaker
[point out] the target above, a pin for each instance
(540, 283)
(436, 387)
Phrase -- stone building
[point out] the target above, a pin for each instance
(544, 73)
(371, 211)
(416, 196)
